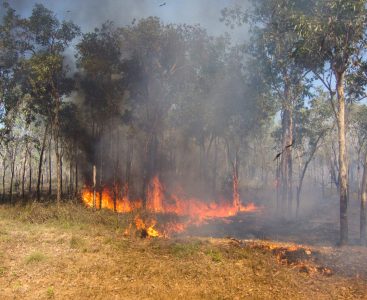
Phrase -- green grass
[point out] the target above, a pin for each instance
(50, 292)
(185, 249)
(215, 254)
(35, 257)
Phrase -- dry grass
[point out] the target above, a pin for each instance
(75, 253)
(35, 257)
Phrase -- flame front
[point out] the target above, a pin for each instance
(195, 210)
(105, 199)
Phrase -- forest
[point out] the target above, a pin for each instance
(168, 128)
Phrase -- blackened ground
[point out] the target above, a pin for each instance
(318, 229)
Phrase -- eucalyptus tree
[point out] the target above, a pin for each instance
(315, 122)
(160, 54)
(9, 53)
(199, 103)
(45, 42)
(103, 82)
(271, 45)
(331, 44)
(359, 122)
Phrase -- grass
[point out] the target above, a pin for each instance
(182, 250)
(215, 255)
(50, 292)
(76, 242)
(67, 216)
(88, 257)
(35, 257)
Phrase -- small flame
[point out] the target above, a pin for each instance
(155, 196)
(150, 230)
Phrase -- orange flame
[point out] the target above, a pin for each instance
(158, 201)
(123, 204)
(150, 230)
(155, 196)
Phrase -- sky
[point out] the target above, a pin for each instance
(89, 14)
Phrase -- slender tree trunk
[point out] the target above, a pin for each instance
(58, 172)
(278, 184)
(215, 163)
(129, 159)
(50, 168)
(70, 188)
(94, 186)
(30, 172)
(100, 185)
(363, 204)
(236, 194)
(12, 171)
(286, 169)
(40, 163)
(76, 176)
(4, 174)
(56, 136)
(358, 174)
(23, 173)
(343, 176)
(290, 164)
(322, 182)
(299, 188)
(150, 166)
(61, 175)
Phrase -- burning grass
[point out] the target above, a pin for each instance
(183, 211)
(89, 260)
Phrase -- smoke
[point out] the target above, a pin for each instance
(200, 160)
(92, 13)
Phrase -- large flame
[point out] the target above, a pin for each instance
(195, 210)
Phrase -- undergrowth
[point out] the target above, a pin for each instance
(66, 215)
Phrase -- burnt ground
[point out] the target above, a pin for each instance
(75, 253)
(317, 229)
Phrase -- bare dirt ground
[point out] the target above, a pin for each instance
(74, 253)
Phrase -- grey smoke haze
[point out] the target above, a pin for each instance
(92, 13)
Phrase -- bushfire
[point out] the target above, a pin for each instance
(158, 202)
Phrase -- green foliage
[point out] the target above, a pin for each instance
(331, 32)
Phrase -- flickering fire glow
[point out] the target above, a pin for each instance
(158, 201)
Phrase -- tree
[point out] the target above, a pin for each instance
(160, 55)
(314, 125)
(359, 121)
(331, 44)
(48, 80)
(271, 45)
